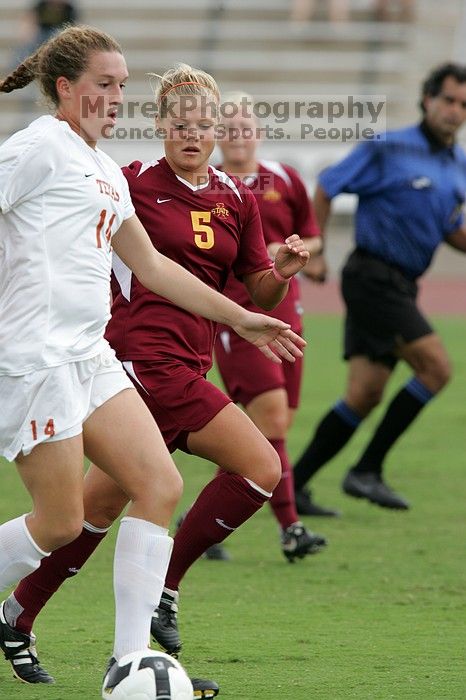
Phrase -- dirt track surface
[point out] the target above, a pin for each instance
(438, 297)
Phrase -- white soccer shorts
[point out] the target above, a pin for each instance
(52, 404)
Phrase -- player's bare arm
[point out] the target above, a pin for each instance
(457, 239)
(317, 269)
(322, 206)
(165, 277)
(267, 288)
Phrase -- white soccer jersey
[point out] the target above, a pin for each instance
(61, 202)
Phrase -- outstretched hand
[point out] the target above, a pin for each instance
(273, 337)
(291, 257)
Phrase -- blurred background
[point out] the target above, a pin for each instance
(274, 50)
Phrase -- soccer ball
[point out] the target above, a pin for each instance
(147, 675)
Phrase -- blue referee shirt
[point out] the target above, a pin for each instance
(411, 192)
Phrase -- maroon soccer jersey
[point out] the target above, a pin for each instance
(285, 209)
(211, 231)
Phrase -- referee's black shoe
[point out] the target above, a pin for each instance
(370, 486)
(306, 506)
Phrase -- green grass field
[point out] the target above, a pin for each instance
(380, 614)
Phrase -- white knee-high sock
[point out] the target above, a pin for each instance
(142, 554)
(19, 554)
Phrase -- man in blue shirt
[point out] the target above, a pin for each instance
(411, 187)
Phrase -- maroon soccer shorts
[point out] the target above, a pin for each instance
(247, 373)
(180, 399)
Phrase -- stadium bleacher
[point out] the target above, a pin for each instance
(252, 45)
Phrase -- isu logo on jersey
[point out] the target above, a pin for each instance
(220, 210)
(272, 196)
(107, 188)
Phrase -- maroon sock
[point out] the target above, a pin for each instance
(283, 501)
(33, 592)
(223, 505)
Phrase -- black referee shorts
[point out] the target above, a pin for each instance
(381, 309)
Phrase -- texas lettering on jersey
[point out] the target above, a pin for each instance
(64, 201)
(107, 188)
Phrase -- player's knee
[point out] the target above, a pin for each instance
(272, 472)
(159, 496)
(445, 375)
(106, 515)
(373, 397)
(365, 399)
(101, 510)
(275, 425)
(65, 531)
(174, 490)
(438, 375)
(269, 412)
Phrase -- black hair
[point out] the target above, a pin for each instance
(432, 85)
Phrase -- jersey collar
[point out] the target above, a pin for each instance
(434, 142)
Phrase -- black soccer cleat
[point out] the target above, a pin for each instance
(20, 650)
(297, 542)
(306, 506)
(217, 552)
(111, 662)
(164, 626)
(370, 486)
(204, 688)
